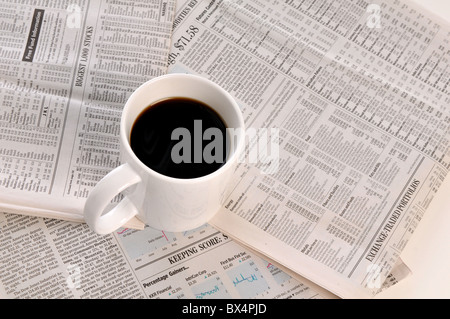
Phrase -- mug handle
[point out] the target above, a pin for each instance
(100, 197)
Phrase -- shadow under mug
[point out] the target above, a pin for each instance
(160, 201)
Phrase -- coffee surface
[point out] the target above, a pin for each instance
(169, 137)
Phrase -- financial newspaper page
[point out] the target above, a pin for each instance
(49, 258)
(66, 70)
(347, 105)
(53, 258)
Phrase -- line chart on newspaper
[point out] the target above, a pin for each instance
(358, 94)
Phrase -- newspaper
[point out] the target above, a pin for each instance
(66, 70)
(357, 95)
(49, 258)
(52, 258)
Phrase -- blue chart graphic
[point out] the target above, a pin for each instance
(148, 240)
(247, 279)
(211, 288)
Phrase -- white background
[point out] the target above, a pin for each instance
(428, 252)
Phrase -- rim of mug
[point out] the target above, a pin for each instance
(230, 159)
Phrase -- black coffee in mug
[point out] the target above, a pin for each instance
(180, 137)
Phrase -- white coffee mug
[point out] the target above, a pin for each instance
(163, 202)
